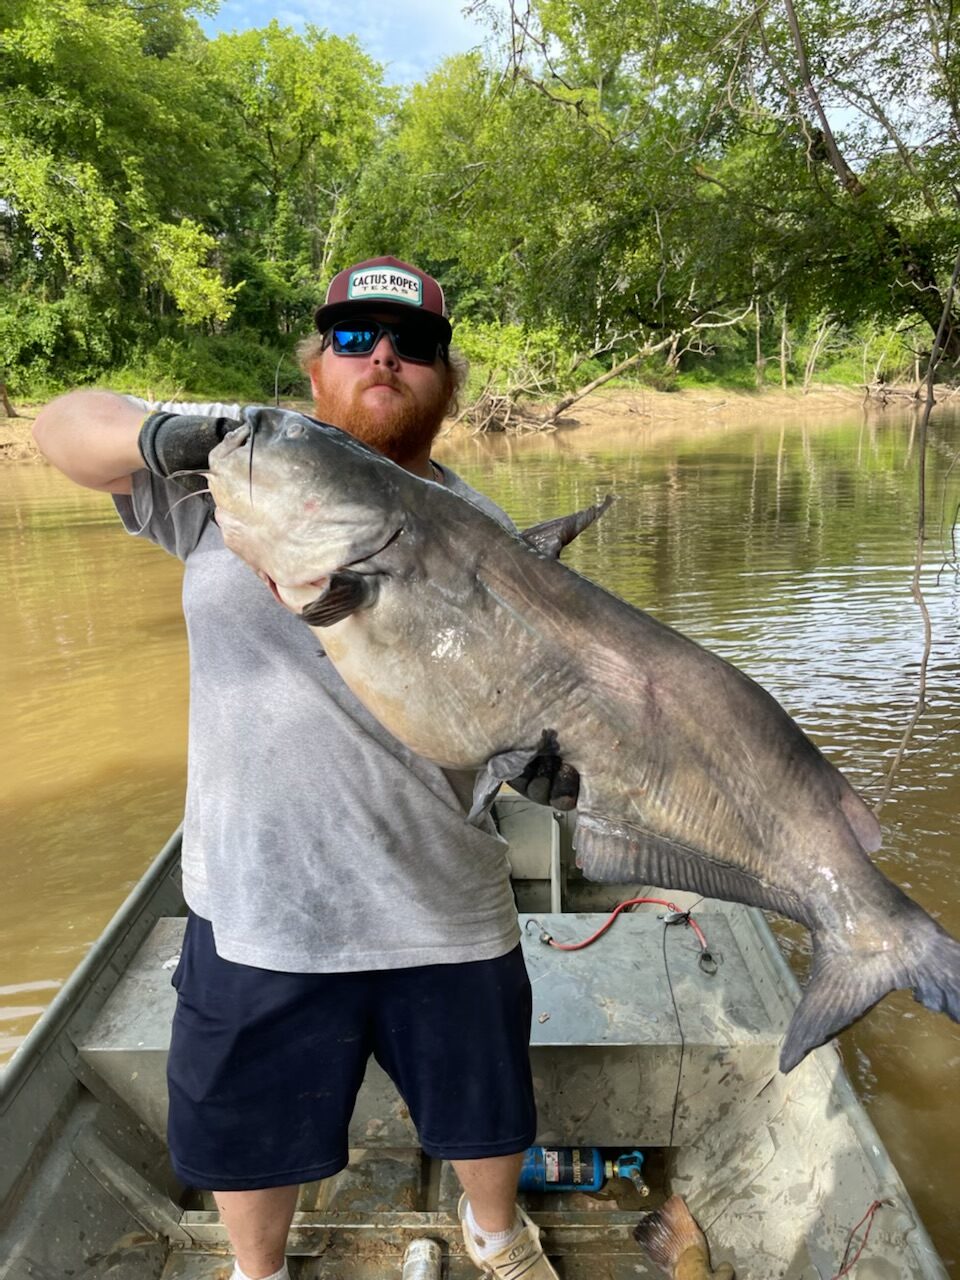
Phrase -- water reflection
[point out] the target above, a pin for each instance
(786, 548)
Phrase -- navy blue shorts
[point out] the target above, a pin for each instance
(264, 1067)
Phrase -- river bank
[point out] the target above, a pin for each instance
(619, 407)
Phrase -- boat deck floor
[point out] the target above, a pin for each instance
(359, 1224)
(386, 1262)
(636, 1044)
(350, 1227)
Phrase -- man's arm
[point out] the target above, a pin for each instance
(100, 439)
(91, 436)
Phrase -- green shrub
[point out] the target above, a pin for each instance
(508, 357)
(228, 366)
(47, 345)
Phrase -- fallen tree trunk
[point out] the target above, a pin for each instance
(8, 409)
(554, 413)
(884, 392)
(504, 412)
(690, 334)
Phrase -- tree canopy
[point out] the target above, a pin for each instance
(607, 177)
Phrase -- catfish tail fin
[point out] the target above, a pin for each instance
(844, 985)
(669, 1232)
(672, 1240)
(936, 981)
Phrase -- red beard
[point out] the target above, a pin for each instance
(402, 429)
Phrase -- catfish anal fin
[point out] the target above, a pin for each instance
(619, 853)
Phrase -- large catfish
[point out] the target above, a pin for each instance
(479, 652)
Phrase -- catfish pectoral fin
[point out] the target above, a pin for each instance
(620, 853)
(345, 593)
(498, 770)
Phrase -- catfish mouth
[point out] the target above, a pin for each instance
(323, 582)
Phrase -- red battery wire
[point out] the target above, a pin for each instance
(621, 906)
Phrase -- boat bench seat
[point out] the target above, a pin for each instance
(632, 1043)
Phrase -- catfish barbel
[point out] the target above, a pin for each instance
(480, 652)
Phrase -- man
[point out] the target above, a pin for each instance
(339, 904)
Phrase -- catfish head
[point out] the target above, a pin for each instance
(300, 501)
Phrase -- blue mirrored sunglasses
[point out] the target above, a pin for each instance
(410, 341)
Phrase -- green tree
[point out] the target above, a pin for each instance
(105, 155)
(304, 114)
(155, 184)
(521, 206)
(804, 150)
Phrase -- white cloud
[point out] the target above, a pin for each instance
(409, 39)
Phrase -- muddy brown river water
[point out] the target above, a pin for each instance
(787, 547)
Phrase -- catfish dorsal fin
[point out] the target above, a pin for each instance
(552, 536)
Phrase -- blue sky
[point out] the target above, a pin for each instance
(408, 37)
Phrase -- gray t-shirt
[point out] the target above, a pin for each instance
(313, 840)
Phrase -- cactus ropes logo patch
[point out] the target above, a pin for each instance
(387, 283)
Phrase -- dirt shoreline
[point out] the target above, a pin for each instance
(619, 406)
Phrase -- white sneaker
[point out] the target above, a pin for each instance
(521, 1259)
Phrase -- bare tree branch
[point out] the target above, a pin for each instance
(671, 341)
(562, 405)
(848, 179)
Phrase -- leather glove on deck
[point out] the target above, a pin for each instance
(547, 779)
(173, 445)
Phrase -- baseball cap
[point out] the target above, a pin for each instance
(382, 282)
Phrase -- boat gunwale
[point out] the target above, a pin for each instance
(74, 992)
(829, 1064)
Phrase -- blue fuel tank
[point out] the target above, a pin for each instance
(562, 1169)
(578, 1169)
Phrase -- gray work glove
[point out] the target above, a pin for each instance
(176, 446)
(547, 779)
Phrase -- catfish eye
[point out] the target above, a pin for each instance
(293, 430)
